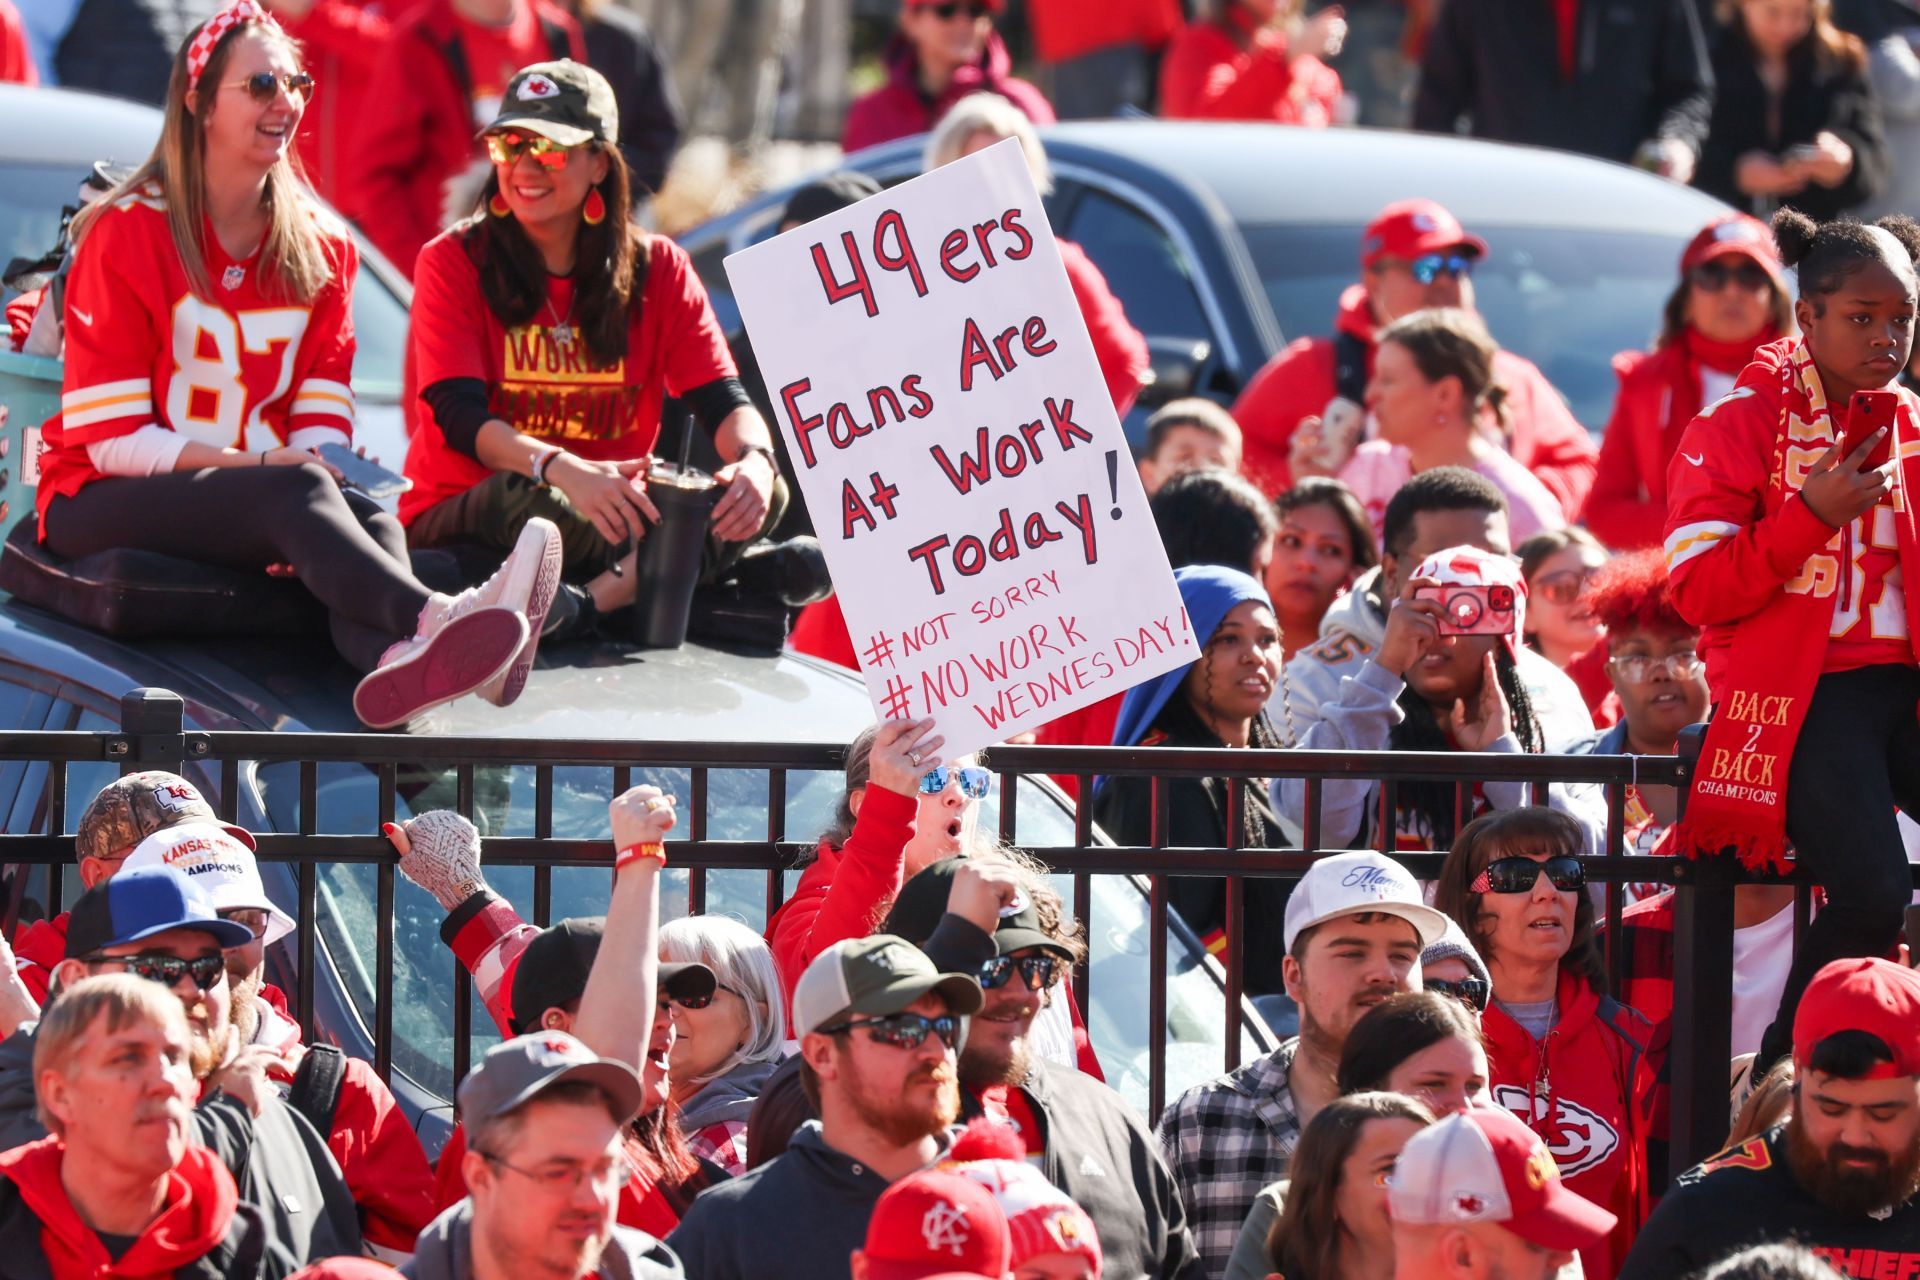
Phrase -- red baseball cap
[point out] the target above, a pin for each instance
(1739, 234)
(937, 1223)
(1484, 1165)
(1412, 228)
(1866, 994)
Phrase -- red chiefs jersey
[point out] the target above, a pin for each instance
(245, 369)
(547, 389)
(1728, 555)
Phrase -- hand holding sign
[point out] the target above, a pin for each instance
(953, 435)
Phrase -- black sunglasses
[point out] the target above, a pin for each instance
(1714, 276)
(906, 1030)
(262, 85)
(206, 971)
(687, 1002)
(1038, 972)
(948, 11)
(1519, 875)
(1472, 992)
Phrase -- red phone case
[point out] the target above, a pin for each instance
(1870, 411)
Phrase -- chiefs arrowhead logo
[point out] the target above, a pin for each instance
(1578, 1138)
(536, 86)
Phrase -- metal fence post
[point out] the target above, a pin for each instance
(152, 721)
(1702, 995)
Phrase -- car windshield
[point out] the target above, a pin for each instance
(31, 197)
(505, 802)
(1567, 300)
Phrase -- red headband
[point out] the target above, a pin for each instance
(217, 26)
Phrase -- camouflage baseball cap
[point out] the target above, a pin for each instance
(132, 808)
(565, 101)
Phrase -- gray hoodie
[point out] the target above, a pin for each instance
(445, 1252)
(728, 1097)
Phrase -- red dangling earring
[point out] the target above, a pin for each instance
(498, 206)
(595, 208)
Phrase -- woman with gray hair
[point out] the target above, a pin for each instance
(976, 123)
(726, 1046)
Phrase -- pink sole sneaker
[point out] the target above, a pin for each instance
(465, 654)
(532, 573)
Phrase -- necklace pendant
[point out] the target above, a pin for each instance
(233, 277)
(563, 334)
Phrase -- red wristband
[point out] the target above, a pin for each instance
(635, 852)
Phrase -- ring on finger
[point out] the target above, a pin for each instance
(915, 757)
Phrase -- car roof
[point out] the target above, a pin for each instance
(50, 126)
(695, 693)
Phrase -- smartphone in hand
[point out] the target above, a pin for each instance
(363, 474)
(1868, 412)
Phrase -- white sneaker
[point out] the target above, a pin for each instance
(526, 583)
(451, 657)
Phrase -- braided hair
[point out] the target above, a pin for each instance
(1420, 730)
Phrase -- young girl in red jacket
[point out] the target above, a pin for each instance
(1561, 1054)
(1788, 542)
(1731, 300)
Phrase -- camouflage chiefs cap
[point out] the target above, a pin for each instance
(132, 808)
(563, 100)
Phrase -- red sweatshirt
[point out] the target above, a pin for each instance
(1727, 559)
(898, 108)
(342, 40)
(1547, 439)
(1064, 29)
(200, 1203)
(1585, 1091)
(1214, 73)
(16, 59)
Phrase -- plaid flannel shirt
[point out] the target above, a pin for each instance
(1225, 1140)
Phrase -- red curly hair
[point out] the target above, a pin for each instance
(1632, 594)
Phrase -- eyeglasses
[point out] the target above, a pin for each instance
(1564, 586)
(566, 1179)
(262, 85)
(1468, 991)
(949, 10)
(507, 148)
(1038, 972)
(1519, 875)
(906, 1030)
(1714, 276)
(254, 918)
(975, 782)
(1428, 267)
(206, 971)
(1638, 668)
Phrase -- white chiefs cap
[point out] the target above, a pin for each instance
(1484, 1165)
(1349, 884)
(225, 869)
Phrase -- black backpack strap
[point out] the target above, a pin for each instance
(1350, 367)
(456, 55)
(316, 1086)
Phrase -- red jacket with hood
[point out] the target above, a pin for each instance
(898, 109)
(1585, 1090)
(1209, 74)
(202, 1233)
(1547, 439)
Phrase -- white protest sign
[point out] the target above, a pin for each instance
(971, 486)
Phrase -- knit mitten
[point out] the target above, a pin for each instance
(444, 858)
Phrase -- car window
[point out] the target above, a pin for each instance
(1566, 300)
(21, 707)
(1142, 266)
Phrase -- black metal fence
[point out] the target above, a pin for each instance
(152, 736)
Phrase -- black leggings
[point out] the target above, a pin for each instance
(1858, 755)
(348, 552)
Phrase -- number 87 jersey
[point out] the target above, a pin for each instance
(249, 368)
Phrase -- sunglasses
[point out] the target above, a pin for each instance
(206, 971)
(1472, 992)
(1429, 267)
(1638, 669)
(253, 918)
(1564, 586)
(263, 85)
(1715, 276)
(906, 1030)
(975, 782)
(949, 10)
(1038, 972)
(1519, 875)
(507, 148)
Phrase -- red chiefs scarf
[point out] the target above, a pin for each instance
(1739, 797)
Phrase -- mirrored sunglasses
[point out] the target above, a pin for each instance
(905, 1030)
(507, 148)
(1468, 991)
(975, 782)
(1431, 266)
(1038, 972)
(1564, 586)
(263, 85)
(206, 971)
(1519, 875)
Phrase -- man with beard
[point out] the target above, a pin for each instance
(119, 1188)
(1840, 1175)
(154, 818)
(544, 1168)
(1354, 930)
(1001, 922)
(157, 925)
(879, 1026)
